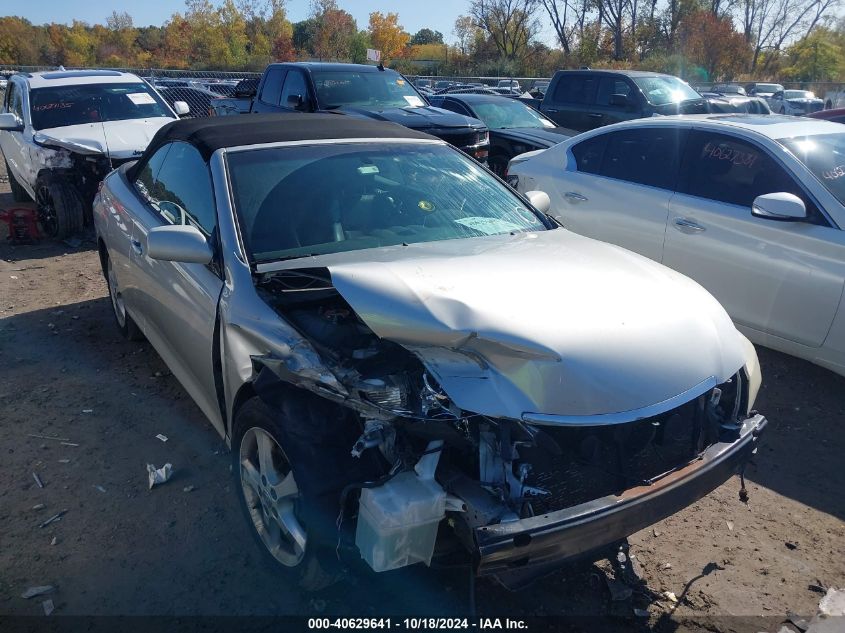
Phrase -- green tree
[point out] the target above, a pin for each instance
(426, 36)
(820, 56)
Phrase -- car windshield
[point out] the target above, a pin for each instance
(664, 90)
(294, 202)
(824, 155)
(92, 103)
(506, 113)
(386, 89)
(768, 87)
(798, 94)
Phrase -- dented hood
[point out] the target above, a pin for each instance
(116, 139)
(543, 324)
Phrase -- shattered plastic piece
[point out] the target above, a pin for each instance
(48, 437)
(161, 437)
(48, 607)
(730, 525)
(37, 480)
(670, 596)
(665, 566)
(798, 621)
(159, 475)
(56, 517)
(38, 506)
(53, 541)
(40, 590)
(791, 545)
(833, 603)
(99, 487)
(189, 488)
(87, 410)
(69, 444)
(64, 461)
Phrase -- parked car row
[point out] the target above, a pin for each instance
(406, 355)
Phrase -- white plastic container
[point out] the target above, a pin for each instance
(397, 522)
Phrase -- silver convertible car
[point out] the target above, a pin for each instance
(404, 354)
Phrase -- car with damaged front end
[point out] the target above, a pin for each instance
(62, 131)
(405, 354)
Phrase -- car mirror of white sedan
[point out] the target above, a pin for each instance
(539, 200)
(779, 206)
(181, 108)
(10, 122)
(178, 243)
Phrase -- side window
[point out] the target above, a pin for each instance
(732, 170)
(182, 192)
(295, 85)
(589, 154)
(647, 156)
(575, 89)
(272, 88)
(145, 179)
(14, 99)
(612, 86)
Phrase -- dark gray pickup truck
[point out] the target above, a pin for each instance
(586, 99)
(361, 91)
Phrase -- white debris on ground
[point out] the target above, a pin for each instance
(159, 475)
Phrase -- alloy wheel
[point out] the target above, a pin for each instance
(46, 210)
(271, 496)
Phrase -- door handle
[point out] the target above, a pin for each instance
(688, 226)
(574, 196)
(136, 246)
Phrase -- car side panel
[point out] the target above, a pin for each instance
(178, 302)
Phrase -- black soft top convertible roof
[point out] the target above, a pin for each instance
(211, 133)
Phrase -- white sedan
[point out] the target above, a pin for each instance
(751, 207)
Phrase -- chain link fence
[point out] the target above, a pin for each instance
(198, 88)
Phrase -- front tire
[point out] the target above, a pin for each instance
(60, 208)
(271, 499)
(19, 194)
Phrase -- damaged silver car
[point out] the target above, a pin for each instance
(405, 354)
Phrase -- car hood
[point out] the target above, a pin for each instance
(425, 118)
(548, 323)
(540, 137)
(115, 139)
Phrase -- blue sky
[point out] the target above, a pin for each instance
(413, 14)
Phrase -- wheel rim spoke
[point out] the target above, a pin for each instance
(270, 491)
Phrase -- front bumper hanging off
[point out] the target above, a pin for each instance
(520, 551)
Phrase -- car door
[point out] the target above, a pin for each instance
(295, 93)
(270, 90)
(784, 279)
(571, 100)
(12, 143)
(611, 112)
(619, 188)
(177, 302)
(776, 102)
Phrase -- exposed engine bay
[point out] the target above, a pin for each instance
(440, 461)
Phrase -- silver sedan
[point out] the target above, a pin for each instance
(401, 349)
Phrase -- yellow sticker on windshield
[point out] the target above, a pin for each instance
(400, 82)
(426, 206)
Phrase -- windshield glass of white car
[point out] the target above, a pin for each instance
(664, 90)
(93, 103)
(824, 155)
(293, 202)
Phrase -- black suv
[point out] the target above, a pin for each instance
(371, 92)
(586, 99)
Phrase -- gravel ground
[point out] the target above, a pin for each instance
(183, 548)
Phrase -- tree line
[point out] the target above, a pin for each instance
(698, 39)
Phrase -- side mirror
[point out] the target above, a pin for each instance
(178, 243)
(783, 206)
(620, 100)
(10, 122)
(294, 101)
(539, 200)
(181, 108)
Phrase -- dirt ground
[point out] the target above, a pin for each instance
(184, 549)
